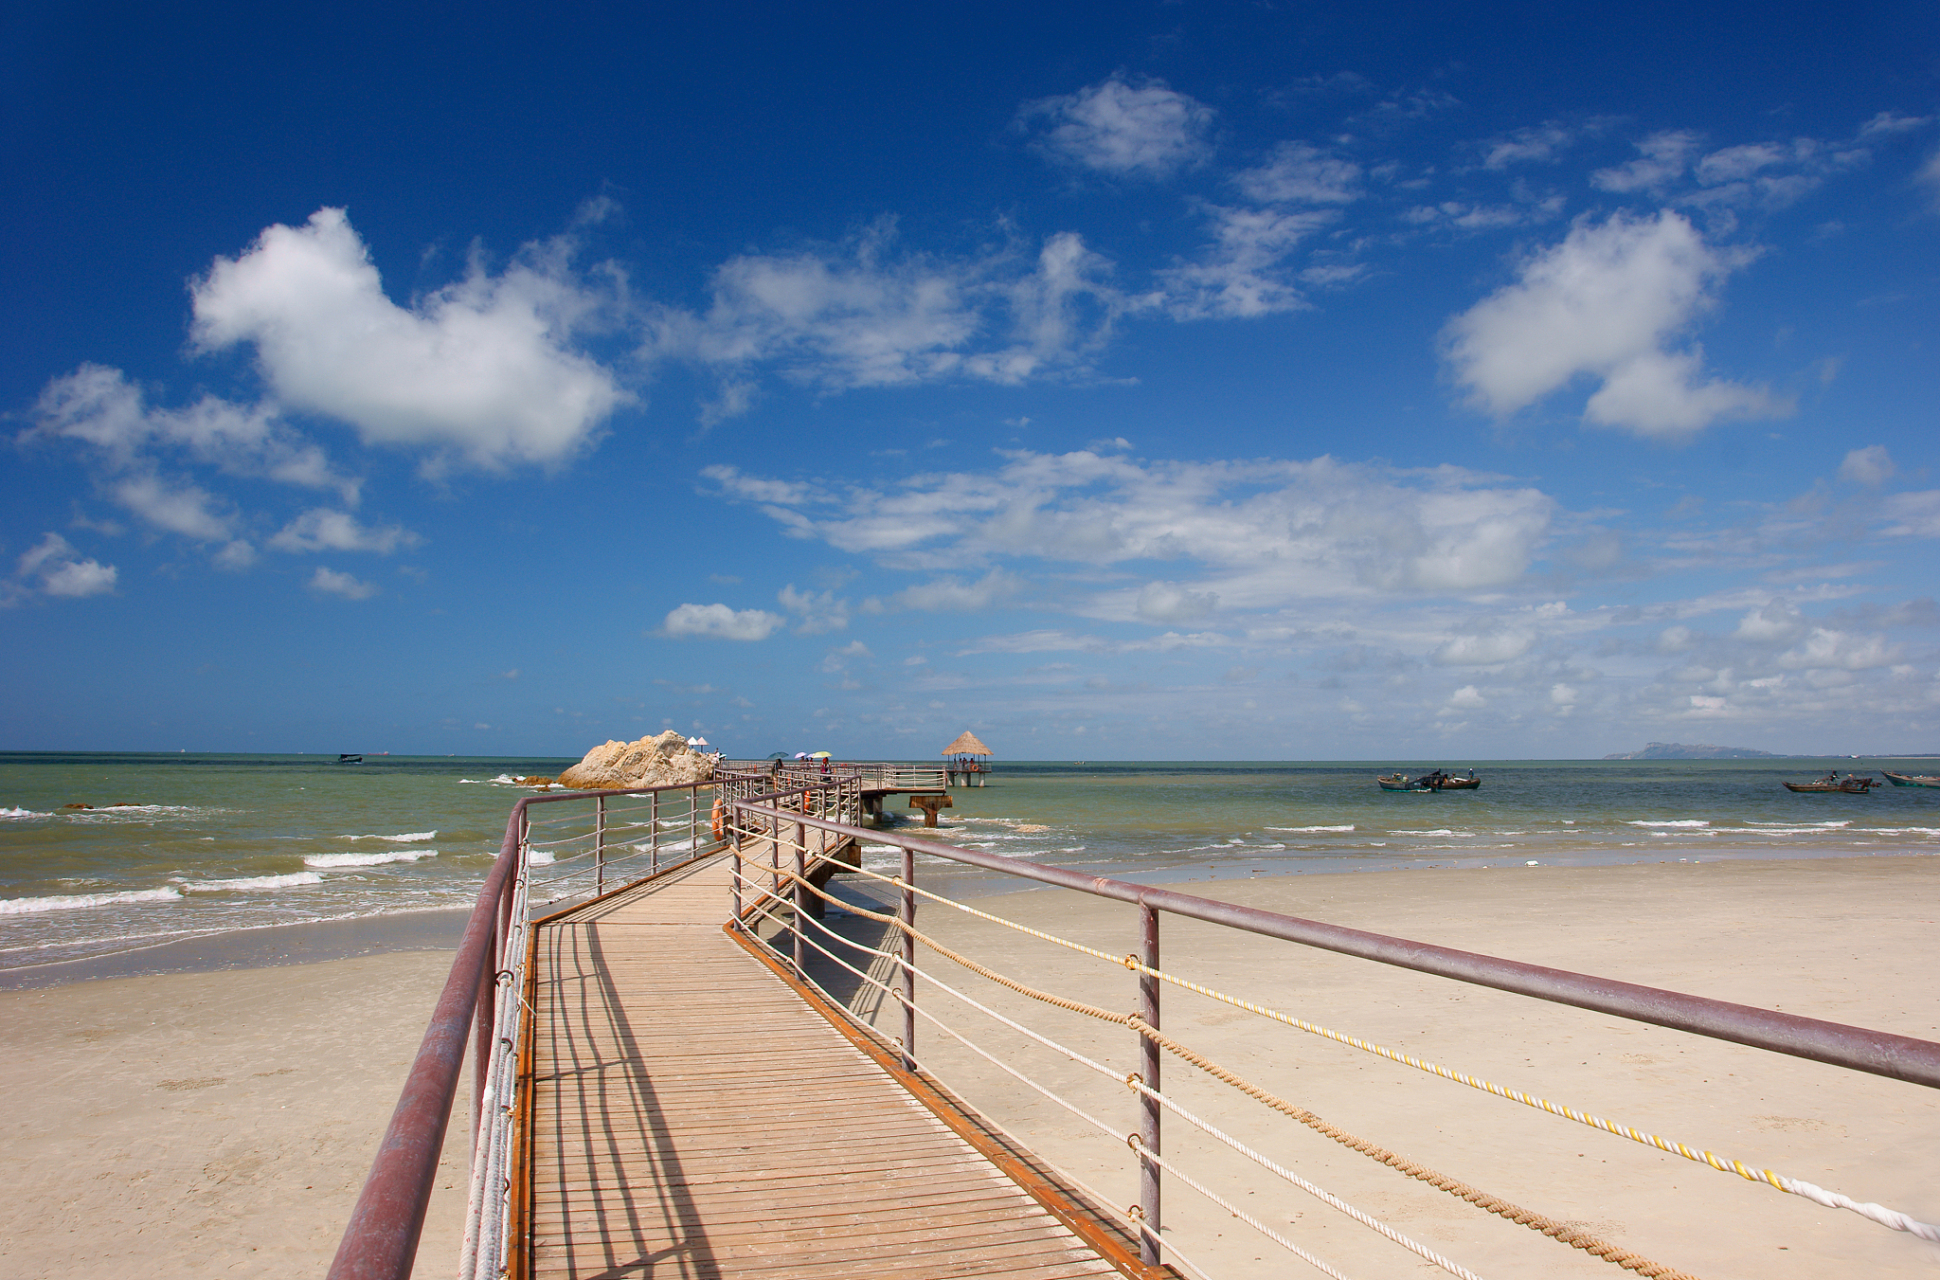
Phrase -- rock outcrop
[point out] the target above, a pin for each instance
(665, 761)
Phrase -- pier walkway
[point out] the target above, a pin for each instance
(690, 1115)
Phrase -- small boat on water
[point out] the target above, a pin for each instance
(1851, 784)
(1436, 781)
(349, 758)
(1912, 779)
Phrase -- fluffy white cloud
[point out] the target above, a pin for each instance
(1913, 515)
(718, 622)
(1537, 144)
(1113, 127)
(321, 529)
(1298, 173)
(480, 372)
(820, 612)
(1663, 160)
(1869, 466)
(98, 407)
(328, 582)
(1604, 303)
(1260, 533)
(949, 594)
(866, 314)
(53, 567)
(1241, 273)
(1171, 603)
(1484, 650)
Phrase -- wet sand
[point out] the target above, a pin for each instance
(214, 1123)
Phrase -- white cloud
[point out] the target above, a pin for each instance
(1484, 650)
(1466, 698)
(1240, 274)
(98, 407)
(1887, 123)
(1604, 303)
(1779, 622)
(1298, 173)
(819, 612)
(321, 529)
(1871, 466)
(1120, 129)
(1929, 177)
(1913, 515)
(718, 622)
(480, 372)
(866, 314)
(1663, 160)
(952, 595)
(1258, 533)
(328, 582)
(53, 567)
(1170, 603)
(1538, 144)
(1826, 648)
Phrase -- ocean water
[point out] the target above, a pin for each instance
(195, 845)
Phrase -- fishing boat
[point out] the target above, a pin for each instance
(1851, 784)
(1436, 781)
(1912, 779)
(349, 757)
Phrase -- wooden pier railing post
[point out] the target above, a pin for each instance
(800, 895)
(1148, 1126)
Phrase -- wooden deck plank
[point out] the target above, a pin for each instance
(692, 1117)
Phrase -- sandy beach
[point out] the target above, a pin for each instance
(194, 1124)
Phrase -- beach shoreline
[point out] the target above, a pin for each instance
(189, 1123)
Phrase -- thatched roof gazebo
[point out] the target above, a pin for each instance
(967, 744)
(960, 768)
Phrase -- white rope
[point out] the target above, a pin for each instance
(1242, 1215)
(1140, 1086)
(1880, 1214)
(1319, 1193)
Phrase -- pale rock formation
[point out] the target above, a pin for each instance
(665, 761)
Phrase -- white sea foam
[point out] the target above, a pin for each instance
(1803, 826)
(1438, 831)
(76, 901)
(1312, 830)
(366, 859)
(246, 884)
(1898, 831)
(18, 812)
(539, 858)
(1669, 822)
(409, 837)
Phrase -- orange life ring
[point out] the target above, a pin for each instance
(720, 819)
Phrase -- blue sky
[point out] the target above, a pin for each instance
(1121, 381)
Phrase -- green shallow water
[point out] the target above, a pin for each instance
(212, 843)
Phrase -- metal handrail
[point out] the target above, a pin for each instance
(1855, 1048)
(380, 1242)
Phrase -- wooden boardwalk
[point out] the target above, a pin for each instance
(690, 1115)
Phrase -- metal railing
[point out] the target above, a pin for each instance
(577, 845)
(776, 895)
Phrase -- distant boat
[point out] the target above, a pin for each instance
(1436, 781)
(1912, 779)
(1851, 784)
(349, 758)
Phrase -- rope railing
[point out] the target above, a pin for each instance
(785, 892)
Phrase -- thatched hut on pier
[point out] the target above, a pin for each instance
(967, 758)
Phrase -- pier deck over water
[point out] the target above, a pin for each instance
(691, 1116)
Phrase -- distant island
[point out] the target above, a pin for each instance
(1693, 751)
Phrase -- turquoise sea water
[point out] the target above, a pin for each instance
(204, 844)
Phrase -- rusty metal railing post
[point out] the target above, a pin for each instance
(800, 895)
(599, 846)
(734, 881)
(907, 911)
(1148, 1067)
